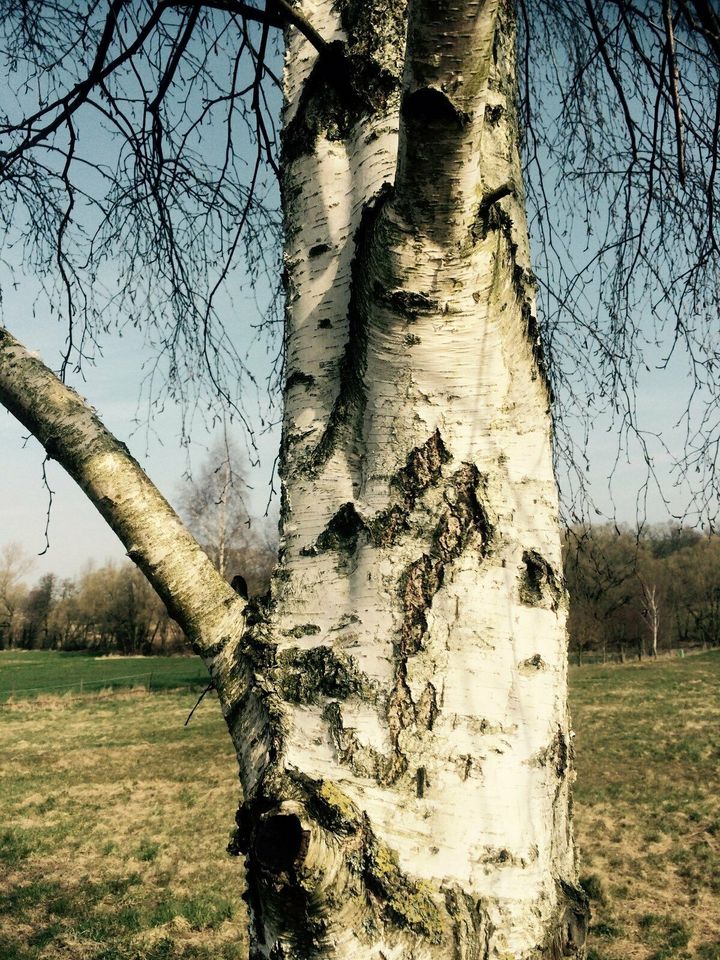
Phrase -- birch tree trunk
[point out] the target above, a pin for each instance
(416, 802)
(398, 705)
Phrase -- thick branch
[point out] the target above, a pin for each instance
(156, 539)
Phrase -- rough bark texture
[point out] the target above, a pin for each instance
(414, 650)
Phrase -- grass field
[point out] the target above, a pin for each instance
(28, 673)
(647, 806)
(114, 816)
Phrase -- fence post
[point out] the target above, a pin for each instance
(150, 683)
(81, 686)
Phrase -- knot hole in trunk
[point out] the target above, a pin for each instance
(281, 842)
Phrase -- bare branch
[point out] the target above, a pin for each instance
(156, 540)
(673, 80)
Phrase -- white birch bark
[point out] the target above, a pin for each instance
(651, 614)
(417, 623)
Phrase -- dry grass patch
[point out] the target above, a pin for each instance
(647, 807)
(120, 818)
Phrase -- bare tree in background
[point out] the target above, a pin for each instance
(411, 660)
(15, 565)
(213, 504)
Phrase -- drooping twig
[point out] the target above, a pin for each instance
(200, 699)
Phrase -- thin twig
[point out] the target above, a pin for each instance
(51, 494)
(200, 699)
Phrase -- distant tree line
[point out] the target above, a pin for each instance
(639, 594)
(631, 595)
(111, 608)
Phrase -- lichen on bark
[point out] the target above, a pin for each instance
(306, 676)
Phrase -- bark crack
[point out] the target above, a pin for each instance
(344, 422)
(539, 585)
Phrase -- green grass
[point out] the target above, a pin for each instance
(33, 673)
(647, 806)
(114, 816)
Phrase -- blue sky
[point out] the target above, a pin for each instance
(79, 535)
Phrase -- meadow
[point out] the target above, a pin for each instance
(32, 673)
(114, 816)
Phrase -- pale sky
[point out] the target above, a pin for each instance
(79, 535)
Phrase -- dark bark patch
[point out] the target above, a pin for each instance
(257, 649)
(561, 754)
(340, 91)
(388, 525)
(569, 932)
(471, 926)
(318, 249)
(493, 114)
(342, 531)
(280, 843)
(422, 470)
(401, 707)
(490, 216)
(421, 582)
(281, 881)
(533, 664)
(303, 630)
(536, 345)
(420, 782)
(346, 620)
(499, 855)
(431, 107)
(350, 80)
(556, 755)
(376, 31)
(408, 303)
(306, 676)
(427, 709)
(538, 584)
(364, 761)
(464, 516)
(297, 378)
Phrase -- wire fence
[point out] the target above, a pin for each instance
(125, 681)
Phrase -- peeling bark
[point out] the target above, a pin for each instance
(420, 534)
